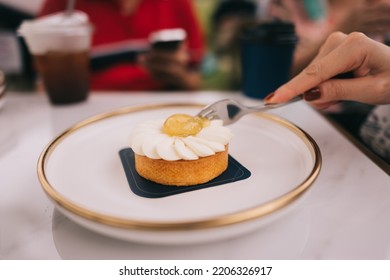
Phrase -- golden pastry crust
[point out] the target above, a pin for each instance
(182, 172)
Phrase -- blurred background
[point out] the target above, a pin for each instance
(221, 22)
(15, 60)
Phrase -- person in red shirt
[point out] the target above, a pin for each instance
(129, 23)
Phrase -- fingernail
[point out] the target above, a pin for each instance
(312, 94)
(269, 97)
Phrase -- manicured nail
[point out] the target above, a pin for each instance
(312, 94)
(268, 97)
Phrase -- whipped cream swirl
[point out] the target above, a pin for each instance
(148, 139)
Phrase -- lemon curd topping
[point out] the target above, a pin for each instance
(184, 125)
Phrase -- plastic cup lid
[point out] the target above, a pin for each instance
(58, 22)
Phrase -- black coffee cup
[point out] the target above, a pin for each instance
(266, 57)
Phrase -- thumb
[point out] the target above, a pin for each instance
(367, 89)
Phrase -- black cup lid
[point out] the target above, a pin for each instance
(271, 32)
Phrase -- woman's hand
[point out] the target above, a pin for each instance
(367, 59)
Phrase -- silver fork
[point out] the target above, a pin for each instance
(230, 111)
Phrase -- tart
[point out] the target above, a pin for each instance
(181, 150)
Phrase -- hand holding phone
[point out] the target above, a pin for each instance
(168, 60)
(167, 39)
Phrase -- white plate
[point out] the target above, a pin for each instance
(81, 172)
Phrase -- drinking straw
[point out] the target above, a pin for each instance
(70, 7)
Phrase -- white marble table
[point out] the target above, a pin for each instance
(345, 216)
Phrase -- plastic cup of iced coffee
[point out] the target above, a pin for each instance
(60, 45)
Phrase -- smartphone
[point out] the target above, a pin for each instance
(167, 39)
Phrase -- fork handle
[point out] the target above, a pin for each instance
(276, 105)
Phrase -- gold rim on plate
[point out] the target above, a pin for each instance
(223, 220)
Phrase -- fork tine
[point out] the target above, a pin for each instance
(205, 112)
(216, 110)
(209, 111)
